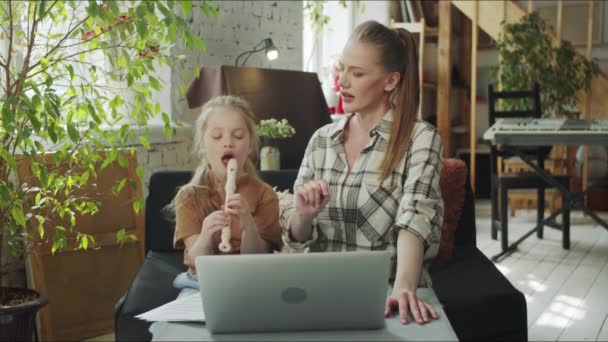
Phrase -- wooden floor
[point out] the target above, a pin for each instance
(566, 290)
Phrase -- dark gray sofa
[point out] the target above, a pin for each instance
(479, 301)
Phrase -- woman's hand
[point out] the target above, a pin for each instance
(237, 205)
(311, 198)
(407, 302)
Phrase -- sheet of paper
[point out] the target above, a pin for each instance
(187, 308)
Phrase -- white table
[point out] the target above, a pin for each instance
(437, 330)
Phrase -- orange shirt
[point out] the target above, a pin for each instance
(262, 201)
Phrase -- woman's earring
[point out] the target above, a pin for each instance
(391, 98)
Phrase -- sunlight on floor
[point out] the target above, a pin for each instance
(534, 285)
(553, 320)
(504, 270)
(562, 311)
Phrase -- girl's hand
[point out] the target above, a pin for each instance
(212, 224)
(311, 198)
(237, 205)
(407, 302)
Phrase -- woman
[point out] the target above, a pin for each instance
(371, 180)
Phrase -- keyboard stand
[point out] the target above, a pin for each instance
(571, 200)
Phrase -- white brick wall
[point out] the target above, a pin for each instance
(241, 26)
(171, 156)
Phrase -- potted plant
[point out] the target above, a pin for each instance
(528, 56)
(269, 131)
(75, 79)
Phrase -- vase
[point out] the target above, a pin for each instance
(270, 158)
(17, 321)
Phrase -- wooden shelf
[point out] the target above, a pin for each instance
(460, 129)
(417, 27)
(429, 85)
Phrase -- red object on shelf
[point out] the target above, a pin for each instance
(338, 109)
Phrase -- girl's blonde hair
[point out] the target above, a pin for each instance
(398, 53)
(204, 184)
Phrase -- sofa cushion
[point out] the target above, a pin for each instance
(477, 298)
(452, 183)
(160, 226)
(151, 288)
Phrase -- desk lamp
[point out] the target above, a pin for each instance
(266, 44)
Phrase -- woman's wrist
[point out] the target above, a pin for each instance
(301, 228)
(401, 283)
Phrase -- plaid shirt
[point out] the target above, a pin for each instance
(363, 212)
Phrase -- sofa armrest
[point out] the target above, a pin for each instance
(466, 230)
(151, 288)
(478, 299)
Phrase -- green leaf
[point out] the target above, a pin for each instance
(142, 29)
(171, 32)
(144, 141)
(18, 216)
(139, 170)
(121, 236)
(154, 83)
(163, 9)
(41, 221)
(41, 9)
(138, 205)
(186, 6)
(120, 186)
(122, 161)
(73, 133)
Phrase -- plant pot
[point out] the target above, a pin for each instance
(17, 321)
(270, 158)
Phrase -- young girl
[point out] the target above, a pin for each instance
(225, 130)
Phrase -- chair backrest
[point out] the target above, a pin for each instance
(536, 152)
(494, 96)
(160, 225)
(164, 185)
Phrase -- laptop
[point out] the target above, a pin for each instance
(294, 292)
